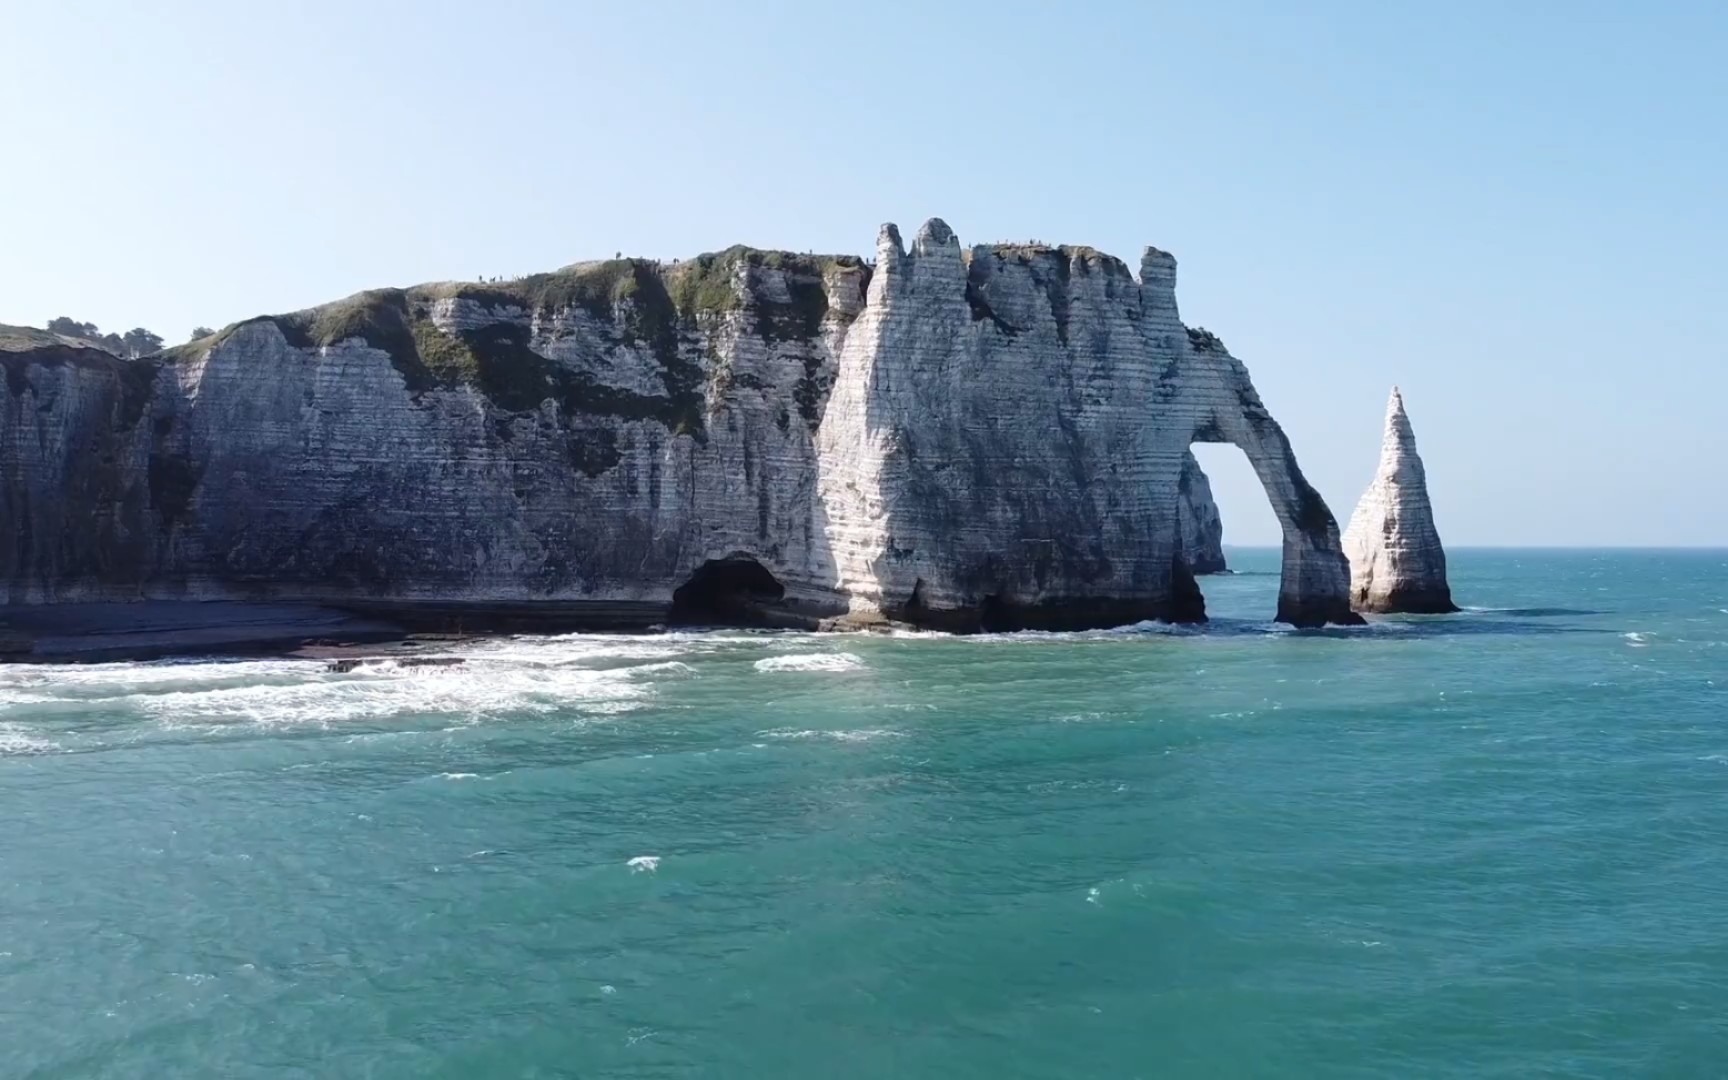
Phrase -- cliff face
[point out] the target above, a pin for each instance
(1396, 561)
(75, 499)
(1198, 523)
(985, 438)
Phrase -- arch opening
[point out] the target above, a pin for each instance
(1272, 504)
(1219, 495)
(734, 591)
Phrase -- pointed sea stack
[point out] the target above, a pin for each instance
(1396, 561)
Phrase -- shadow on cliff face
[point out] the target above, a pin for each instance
(725, 592)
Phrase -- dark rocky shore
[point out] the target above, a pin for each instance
(153, 629)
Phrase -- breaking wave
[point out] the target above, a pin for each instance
(861, 735)
(597, 675)
(15, 740)
(811, 662)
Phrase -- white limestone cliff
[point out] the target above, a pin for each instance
(1199, 524)
(973, 438)
(1006, 434)
(1396, 561)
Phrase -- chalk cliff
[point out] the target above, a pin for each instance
(973, 438)
(1396, 561)
(1198, 523)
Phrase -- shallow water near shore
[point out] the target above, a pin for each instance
(1494, 844)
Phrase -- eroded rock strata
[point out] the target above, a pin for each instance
(973, 438)
(1396, 561)
(1199, 527)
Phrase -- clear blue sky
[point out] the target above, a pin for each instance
(1519, 212)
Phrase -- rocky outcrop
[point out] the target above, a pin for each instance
(1199, 527)
(966, 438)
(1396, 561)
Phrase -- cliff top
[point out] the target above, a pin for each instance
(642, 303)
(664, 294)
(25, 338)
(1064, 254)
(656, 306)
(707, 284)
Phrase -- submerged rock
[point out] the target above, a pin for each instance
(1199, 526)
(1396, 561)
(983, 438)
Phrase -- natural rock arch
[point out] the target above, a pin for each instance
(1006, 421)
(1007, 426)
(1314, 582)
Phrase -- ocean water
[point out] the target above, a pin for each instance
(1492, 845)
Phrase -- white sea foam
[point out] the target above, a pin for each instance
(102, 682)
(664, 667)
(811, 662)
(1636, 640)
(644, 864)
(560, 651)
(596, 676)
(1155, 626)
(475, 689)
(858, 735)
(15, 740)
(1082, 717)
(459, 776)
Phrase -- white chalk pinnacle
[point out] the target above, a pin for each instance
(1396, 561)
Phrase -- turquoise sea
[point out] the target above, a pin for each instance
(1491, 845)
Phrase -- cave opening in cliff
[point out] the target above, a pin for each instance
(725, 592)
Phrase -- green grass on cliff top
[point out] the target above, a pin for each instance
(643, 303)
(640, 302)
(706, 285)
(24, 338)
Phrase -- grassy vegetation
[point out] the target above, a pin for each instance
(705, 285)
(21, 338)
(644, 304)
(709, 284)
(1204, 340)
(379, 317)
(192, 351)
(136, 378)
(446, 357)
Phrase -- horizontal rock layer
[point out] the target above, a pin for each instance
(986, 437)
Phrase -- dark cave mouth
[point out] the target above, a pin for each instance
(725, 592)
